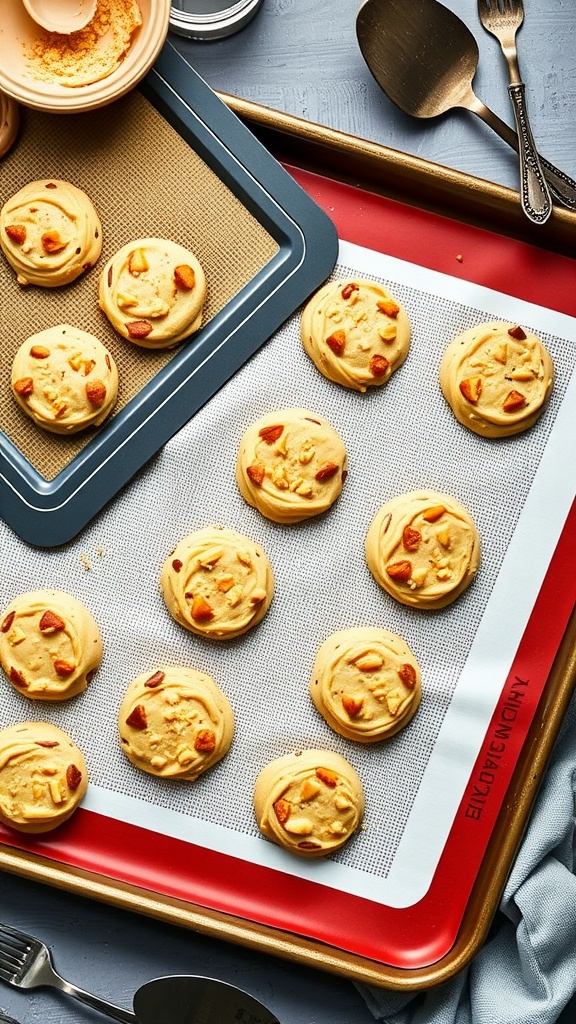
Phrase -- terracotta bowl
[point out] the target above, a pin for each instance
(18, 79)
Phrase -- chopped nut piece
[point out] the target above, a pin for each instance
(501, 354)
(336, 342)
(257, 595)
(139, 328)
(16, 233)
(155, 680)
(407, 674)
(73, 777)
(327, 776)
(433, 513)
(137, 717)
(256, 473)
(326, 472)
(16, 677)
(7, 622)
(39, 352)
(184, 277)
(388, 333)
(389, 307)
(63, 668)
(57, 791)
(444, 536)
(177, 564)
(400, 570)
(309, 789)
(205, 741)
(309, 845)
(411, 538)
(348, 289)
(271, 434)
(225, 584)
(514, 400)
(50, 622)
(282, 810)
(24, 386)
(137, 262)
(471, 388)
(379, 366)
(201, 611)
(352, 705)
(517, 332)
(96, 392)
(369, 662)
(299, 826)
(52, 242)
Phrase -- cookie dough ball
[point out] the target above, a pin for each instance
(175, 723)
(366, 683)
(217, 583)
(43, 776)
(291, 465)
(64, 379)
(497, 378)
(50, 233)
(153, 291)
(356, 333)
(50, 646)
(9, 122)
(423, 549)
(309, 802)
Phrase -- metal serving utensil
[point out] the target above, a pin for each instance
(185, 999)
(26, 962)
(502, 18)
(424, 58)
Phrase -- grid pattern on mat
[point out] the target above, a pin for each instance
(399, 437)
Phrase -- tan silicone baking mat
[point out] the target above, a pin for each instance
(144, 180)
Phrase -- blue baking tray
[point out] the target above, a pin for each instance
(49, 513)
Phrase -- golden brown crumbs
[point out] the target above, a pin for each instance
(90, 54)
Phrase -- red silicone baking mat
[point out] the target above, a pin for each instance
(407, 928)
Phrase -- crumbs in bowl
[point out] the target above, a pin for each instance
(90, 54)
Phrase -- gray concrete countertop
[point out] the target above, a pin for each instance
(300, 57)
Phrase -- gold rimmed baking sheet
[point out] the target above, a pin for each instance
(145, 181)
(512, 821)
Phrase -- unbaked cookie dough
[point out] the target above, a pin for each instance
(310, 802)
(356, 333)
(9, 123)
(50, 233)
(423, 549)
(64, 379)
(497, 378)
(43, 776)
(175, 723)
(217, 583)
(153, 291)
(291, 465)
(366, 683)
(50, 645)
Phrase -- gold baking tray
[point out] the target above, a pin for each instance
(427, 186)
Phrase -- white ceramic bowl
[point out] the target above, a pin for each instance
(18, 32)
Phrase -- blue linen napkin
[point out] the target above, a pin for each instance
(526, 971)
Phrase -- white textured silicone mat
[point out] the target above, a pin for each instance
(399, 437)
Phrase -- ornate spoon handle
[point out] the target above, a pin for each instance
(535, 196)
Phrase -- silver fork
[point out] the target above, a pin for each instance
(26, 963)
(503, 18)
